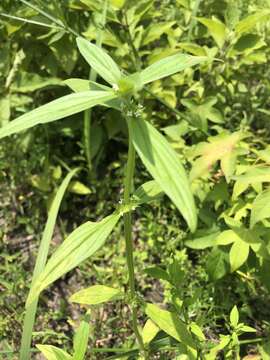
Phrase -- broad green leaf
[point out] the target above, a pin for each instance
(219, 146)
(170, 323)
(260, 208)
(150, 330)
(148, 192)
(216, 28)
(57, 109)
(79, 245)
(169, 66)
(252, 20)
(238, 254)
(217, 264)
(165, 166)
(100, 61)
(53, 353)
(80, 341)
(77, 85)
(96, 294)
(227, 237)
(234, 316)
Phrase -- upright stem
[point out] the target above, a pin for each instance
(128, 238)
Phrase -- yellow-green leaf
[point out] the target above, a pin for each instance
(96, 294)
(53, 353)
(252, 20)
(216, 29)
(79, 188)
(238, 254)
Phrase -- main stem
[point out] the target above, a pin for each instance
(128, 238)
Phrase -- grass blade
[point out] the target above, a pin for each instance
(40, 264)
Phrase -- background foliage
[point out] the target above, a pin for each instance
(215, 116)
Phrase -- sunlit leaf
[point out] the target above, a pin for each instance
(238, 254)
(80, 341)
(216, 28)
(252, 20)
(53, 353)
(96, 294)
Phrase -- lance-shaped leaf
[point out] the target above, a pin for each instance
(80, 244)
(170, 323)
(165, 166)
(100, 61)
(169, 66)
(95, 295)
(80, 341)
(53, 353)
(57, 109)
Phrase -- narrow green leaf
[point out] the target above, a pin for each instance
(100, 61)
(80, 244)
(80, 341)
(170, 323)
(96, 294)
(41, 261)
(169, 66)
(165, 166)
(53, 353)
(234, 316)
(57, 109)
(238, 254)
(260, 208)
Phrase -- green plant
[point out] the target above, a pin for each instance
(155, 152)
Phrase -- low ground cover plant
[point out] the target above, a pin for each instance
(178, 88)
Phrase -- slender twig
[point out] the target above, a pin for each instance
(50, 17)
(31, 21)
(88, 113)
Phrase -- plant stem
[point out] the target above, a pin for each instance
(128, 238)
(88, 113)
